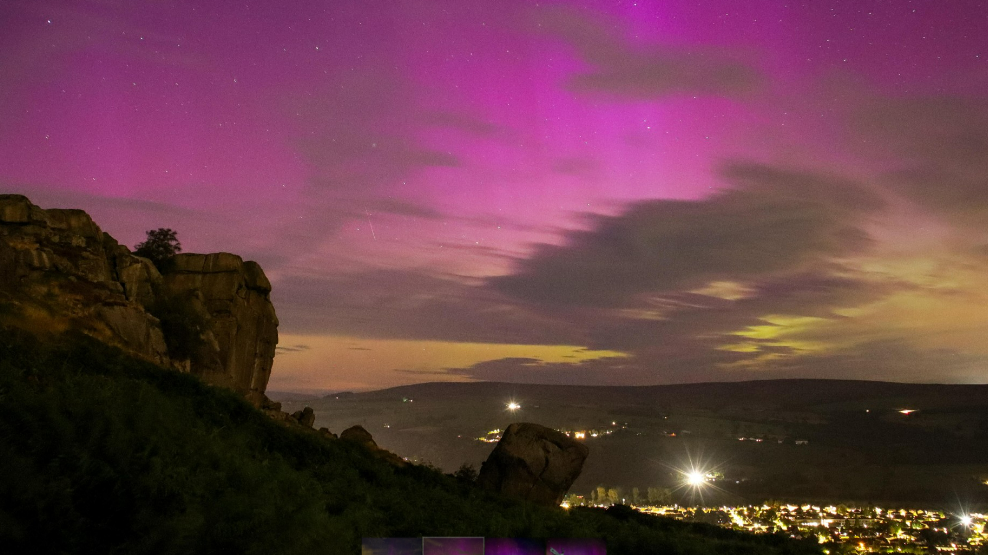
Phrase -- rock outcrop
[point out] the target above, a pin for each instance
(534, 463)
(357, 434)
(230, 298)
(59, 271)
(57, 275)
(306, 417)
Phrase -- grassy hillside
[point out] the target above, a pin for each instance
(100, 453)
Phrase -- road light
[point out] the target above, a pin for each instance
(695, 478)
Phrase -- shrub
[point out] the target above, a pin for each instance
(160, 245)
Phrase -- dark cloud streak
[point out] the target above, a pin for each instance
(776, 220)
(941, 149)
(412, 305)
(631, 71)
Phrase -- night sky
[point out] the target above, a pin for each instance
(604, 192)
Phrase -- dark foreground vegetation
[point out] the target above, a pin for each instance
(100, 453)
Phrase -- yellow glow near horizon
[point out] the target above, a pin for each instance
(778, 325)
(791, 332)
(754, 363)
(334, 362)
(740, 347)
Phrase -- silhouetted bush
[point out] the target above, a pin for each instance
(160, 245)
(466, 473)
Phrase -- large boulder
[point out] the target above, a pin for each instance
(306, 417)
(533, 463)
(59, 271)
(232, 299)
(357, 434)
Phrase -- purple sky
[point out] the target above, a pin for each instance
(567, 192)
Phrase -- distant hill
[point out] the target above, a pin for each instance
(101, 452)
(283, 396)
(801, 440)
(761, 394)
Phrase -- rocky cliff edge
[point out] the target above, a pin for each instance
(208, 314)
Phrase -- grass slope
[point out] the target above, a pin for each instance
(103, 453)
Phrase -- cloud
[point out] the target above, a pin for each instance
(888, 359)
(623, 69)
(638, 369)
(744, 284)
(362, 137)
(941, 145)
(602, 371)
(41, 38)
(882, 360)
(395, 304)
(292, 349)
(399, 207)
(775, 220)
(577, 165)
(127, 219)
(465, 123)
(51, 196)
(362, 133)
(815, 293)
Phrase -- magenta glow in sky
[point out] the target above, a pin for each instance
(564, 192)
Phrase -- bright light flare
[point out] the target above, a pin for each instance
(513, 406)
(966, 520)
(907, 412)
(697, 477)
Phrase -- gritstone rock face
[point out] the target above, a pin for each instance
(534, 463)
(59, 272)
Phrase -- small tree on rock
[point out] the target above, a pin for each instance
(160, 245)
